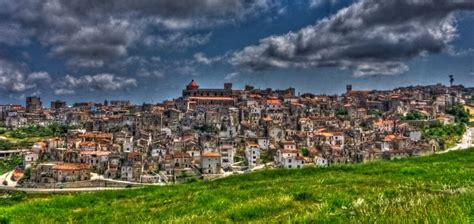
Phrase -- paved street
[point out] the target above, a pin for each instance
(466, 142)
(7, 177)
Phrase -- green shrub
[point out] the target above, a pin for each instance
(460, 114)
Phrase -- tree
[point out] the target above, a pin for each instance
(342, 112)
(460, 114)
(5, 145)
(305, 151)
(413, 116)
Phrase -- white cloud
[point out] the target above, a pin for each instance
(203, 59)
(13, 77)
(101, 82)
(231, 76)
(177, 41)
(39, 76)
(369, 37)
(60, 92)
(318, 3)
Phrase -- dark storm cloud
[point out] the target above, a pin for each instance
(90, 33)
(370, 37)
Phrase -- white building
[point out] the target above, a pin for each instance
(227, 155)
(128, 144)
(29, 158)
(210, 163)
(263, 143)
(127, 173)
(252, 155)
(320, 161)
(289, 159)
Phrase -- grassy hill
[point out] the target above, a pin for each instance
(433, 189)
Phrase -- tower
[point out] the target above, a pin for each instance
(33, 104)
(192, 85)
(228, 86)
(348, 88)
(451, 80)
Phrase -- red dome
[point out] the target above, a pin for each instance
(192, 85)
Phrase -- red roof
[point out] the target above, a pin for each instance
(70, 166)
(192, 85)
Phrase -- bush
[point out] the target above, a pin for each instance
(342, 112)
(5, 145)
(9, 164)
(413, 116)
(460, 114)
(31, 131)
(447, 135)
(305, 151)
(205, 128)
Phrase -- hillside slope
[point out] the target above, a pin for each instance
(438, 188)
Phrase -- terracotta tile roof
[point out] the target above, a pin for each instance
(97, 153)
(211, 154)
(70, 166)
(389, 138)
(221, 98)
(87, 144)
(273, 102)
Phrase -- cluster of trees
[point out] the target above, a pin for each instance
(413, 116)
(376, 112)
(5, 145)
(3, 129)
(10, 163)
(460, 114)
(40, 131)
(342, 112)
(440, 130)
(447, 135)
(205, 128)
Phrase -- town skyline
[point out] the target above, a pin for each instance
(178, 92)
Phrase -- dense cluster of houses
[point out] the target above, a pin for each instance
(208, 132)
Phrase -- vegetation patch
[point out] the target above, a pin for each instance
(10, 163)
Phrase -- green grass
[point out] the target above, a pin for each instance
(435, 189)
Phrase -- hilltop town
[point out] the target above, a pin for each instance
(212, 133)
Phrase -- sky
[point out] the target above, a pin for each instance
(147, 51)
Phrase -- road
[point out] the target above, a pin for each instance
(95, 176)
(52, 190)
(7, 177)
(11, 187)
(466, 142)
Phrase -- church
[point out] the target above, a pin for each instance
(194, 97)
